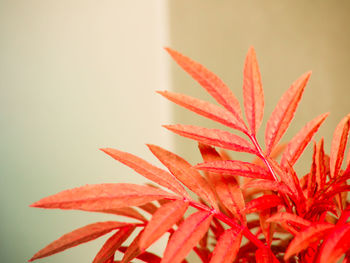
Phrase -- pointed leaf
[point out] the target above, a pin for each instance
(213, 137)
(297, 145)
(231, 167)
(206, 109)
(283, 114)
(146, 169)
(103, 197)
(335, 245)
(209, 81)
(227, 246)
(269, 185)
(253, 92)
(305, 238)
(162, 220)
(284, 217)
(262, 203)
(112, 244)
(186, 237)
(77, 237)
(184, 172)
(124, 211)
(133, 250)
(145, 256)
(264, 255)
(320, 165)
(339, 141)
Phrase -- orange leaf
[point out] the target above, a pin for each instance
(184, 171)
(77, 237)
(312, 234)
(162, 220)
(262, 203)
(253, 92)
(144, 256)
(124, 211)
(206, 109)
(213, 137)
(112, 244)
(231, 167)
(103, 197)
(209, 81)
(146, 169)
(297, 145)
(133, 250)
(227, 247)
(283, 114)
(340, 138)
(186, 237)
(335, 245)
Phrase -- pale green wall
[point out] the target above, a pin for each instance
(74, 76)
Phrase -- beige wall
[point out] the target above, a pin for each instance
(74, 76)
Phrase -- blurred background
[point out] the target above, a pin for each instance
(76, 76)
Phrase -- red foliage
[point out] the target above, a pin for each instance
(292, 219)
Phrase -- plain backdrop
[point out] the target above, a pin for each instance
(79, 75)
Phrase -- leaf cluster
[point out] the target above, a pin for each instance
(258, 211)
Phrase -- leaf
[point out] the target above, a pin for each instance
(339, 141)
(147, 170)
(112, 244)
(103, 197)
(145, 256)
(253, 92)
(264, 255)
(209, 81)
(262, 203)
(285, 217)
(133, 250)
(213, 137)
(231, 196)
(77, 237)
(284, 112)
(231, 167)
(124, 211)
(206, 109)
(320, 165)
(187, 236)
(297, 145)
(162, 220)
(335, 245)
(227, 246)
(185, 173)
(306, 237)
(270, 185)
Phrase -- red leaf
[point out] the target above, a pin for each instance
(320, 165)
(124, 211)
(262, 203)
(162, 220)
(284, 217)
(253, 92)
(335, 245)
(340, 138)
(145, 256)
(103, 197)
(209, 81)
(268, 185)
(133, 250)
(227, 247)
(186, 237)
(147, 170)
(264, 255)
(184, 171)
(112, 244)
(206, 109)
(149, 208)
(231, 167)
(77, 237)
(297, 145)
(310, 235)
(213, 137)
(283, 114)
